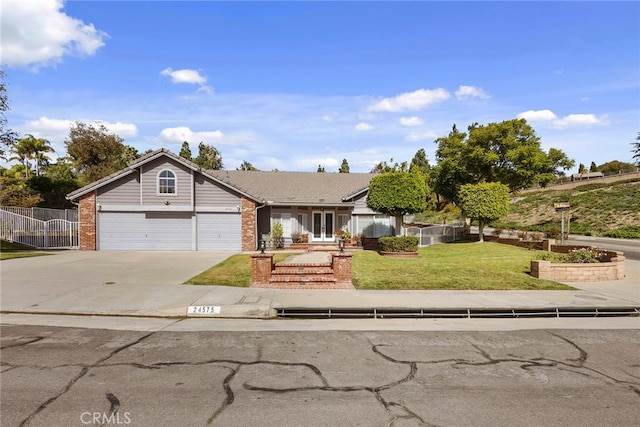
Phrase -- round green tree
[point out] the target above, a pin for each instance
(397, 194)
(484, 202)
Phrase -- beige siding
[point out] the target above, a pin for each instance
(361, 206)
(150, 171)
(212, 194)
(124, 191)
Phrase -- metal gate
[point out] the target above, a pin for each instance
(52, 234)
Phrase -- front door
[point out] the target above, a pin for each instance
(323, 226)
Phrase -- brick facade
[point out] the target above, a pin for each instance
(249, 240)
(87, 218)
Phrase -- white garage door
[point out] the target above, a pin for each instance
(219, 232)
(140, 231)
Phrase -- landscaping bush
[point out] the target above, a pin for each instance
(626, 232)
(398, 243)
(575, 256)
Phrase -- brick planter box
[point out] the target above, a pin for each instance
(400, 255)
(596, 272)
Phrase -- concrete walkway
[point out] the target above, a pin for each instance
(148, 284)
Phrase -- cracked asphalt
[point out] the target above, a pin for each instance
(55, 376)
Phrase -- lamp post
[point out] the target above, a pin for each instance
(562, 208)
(341, 244)
(263, 245)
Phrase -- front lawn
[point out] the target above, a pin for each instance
(10, 250)
(474, 265)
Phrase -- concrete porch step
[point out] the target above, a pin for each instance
(302, 269)
(302, 278)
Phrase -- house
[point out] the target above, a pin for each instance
(164, 202)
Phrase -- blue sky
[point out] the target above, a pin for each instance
(291, 85)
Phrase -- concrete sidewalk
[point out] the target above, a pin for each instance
(148, 285)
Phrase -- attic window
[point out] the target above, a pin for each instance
(166, 182)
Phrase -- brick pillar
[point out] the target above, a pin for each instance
(248, 224)
(547, 243)
(87, 218)
(261, 267)
(341, 265)
(541, 269)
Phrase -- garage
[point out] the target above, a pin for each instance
(145, 231)
(219, 232)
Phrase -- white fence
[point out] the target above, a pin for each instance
(433, 234)
(51, 234)
(43, 214)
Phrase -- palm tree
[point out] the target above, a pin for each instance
(32, 148)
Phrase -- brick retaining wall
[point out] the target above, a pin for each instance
(593, 272)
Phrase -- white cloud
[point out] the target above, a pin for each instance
(189, 77)
(468, 93)
(124, 130)
(411, 121)
(569, 121)
(420, 136)
(58, 129)
(584, 99)
(363, 127)
(410, 101)
(36, 33)
(180, 134)
(579, 120)
(537, 115)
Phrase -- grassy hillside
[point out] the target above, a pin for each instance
(596, 209)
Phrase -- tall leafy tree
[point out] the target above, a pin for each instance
(508, 152)
(185, 151)
(593, 167)
(344, 167)
(636, 149)
(246, 166)
(208, 157)
(21, 152)
(616, 166)
(7, 136)
(384, 167)
(484, 202)
(58, 180)
(94, 152)
(397, 194)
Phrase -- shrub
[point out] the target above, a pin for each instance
(398, 243)
(584, 255)
(275, 237)
(297, 237)
(626, 232)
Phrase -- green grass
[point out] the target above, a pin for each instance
(234, 271)
(445, 266)
(10, 250)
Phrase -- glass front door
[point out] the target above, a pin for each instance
(323, 226)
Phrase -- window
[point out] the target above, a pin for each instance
(166, 182)
(302, 223)
(285, 220)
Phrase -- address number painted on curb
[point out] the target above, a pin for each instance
(203, 309)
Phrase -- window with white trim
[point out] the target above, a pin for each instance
(285, 220)
(167, 182)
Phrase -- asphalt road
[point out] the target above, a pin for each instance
(54, 376)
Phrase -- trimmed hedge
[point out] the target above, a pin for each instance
(398, 243)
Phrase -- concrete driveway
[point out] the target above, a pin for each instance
(104, 282)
